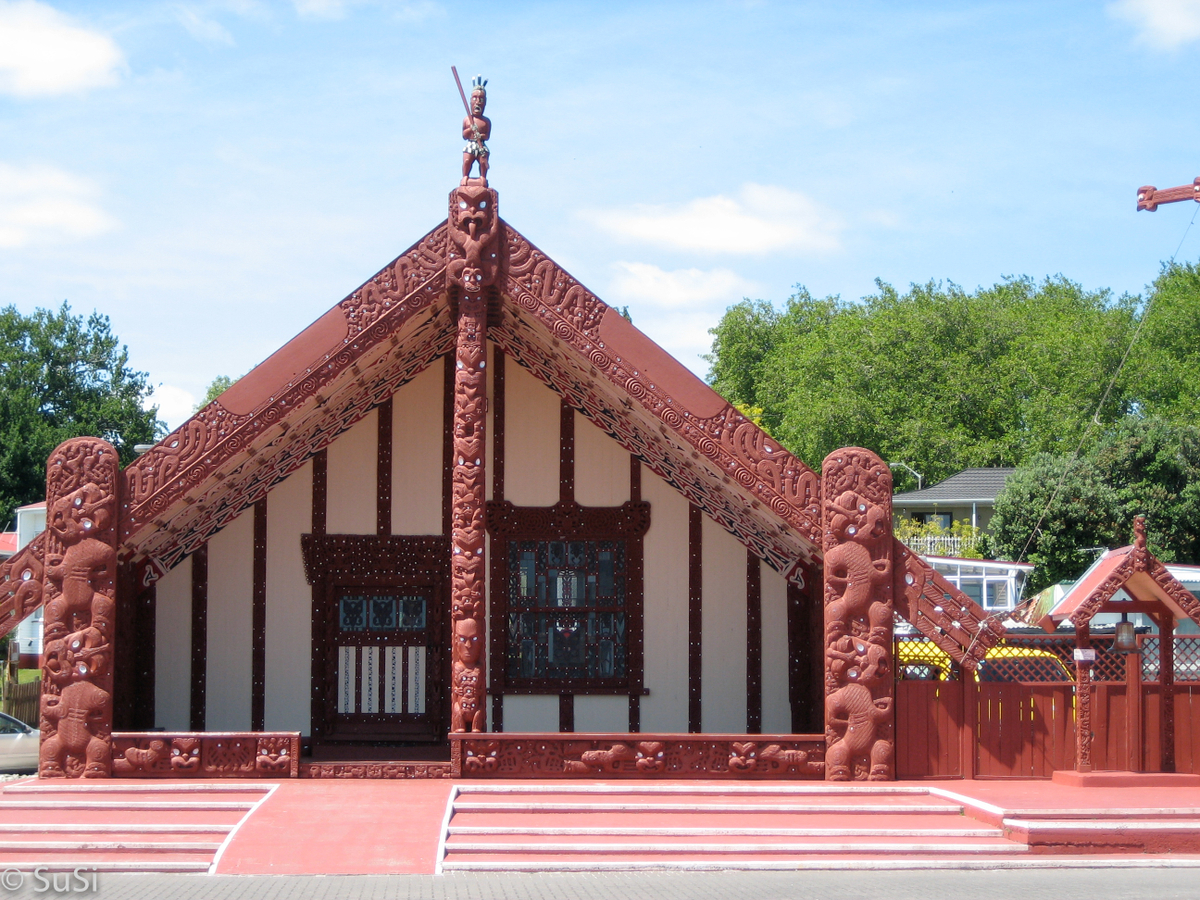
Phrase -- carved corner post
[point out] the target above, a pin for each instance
(82, 503)
(856, 502)
(1083, 699)
(473, 260)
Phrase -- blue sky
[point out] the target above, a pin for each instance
(214, 175)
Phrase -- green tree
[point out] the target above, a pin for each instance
(219, 385)
(937, 377)
(62, 376)
(1137, 467)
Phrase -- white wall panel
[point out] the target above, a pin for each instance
(601, 713)
(723, 658)
(776, 710)
(287, 705)
(417, 417)
(531, 430)
(353, 478)
(666, 608)
(230, 619)
(527, 712)
(601, 466)
(173, 649)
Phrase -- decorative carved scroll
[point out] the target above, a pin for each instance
(793, 757)
(21, 578)
(856, 487)
(473, 258)
(665, 452)
(79, 588)
(742, 452)
(467, 568)
(207, 754)
(940, 611)
(195, 452)
(394, 770)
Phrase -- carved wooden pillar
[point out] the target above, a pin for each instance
(471, 269)
(856, 500)
(82, 503)
(1083, 699)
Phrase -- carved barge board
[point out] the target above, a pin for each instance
(798, 757)
(207, 754)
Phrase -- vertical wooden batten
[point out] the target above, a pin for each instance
(695, 619)
(320, 494)
(199, 637)
(754, 673)
(383, 471)
(258, 636)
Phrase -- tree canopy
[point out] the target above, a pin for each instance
(938, 378)
(62, 376)
(1137, 467)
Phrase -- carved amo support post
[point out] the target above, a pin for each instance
(1083, 698)
(471, 269)
(82, 479)
(856, 501)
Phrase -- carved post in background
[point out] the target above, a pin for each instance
(471, 270)
(856, 501)
(1084, 657)
(82, 478)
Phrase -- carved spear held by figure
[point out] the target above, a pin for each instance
(466, 105)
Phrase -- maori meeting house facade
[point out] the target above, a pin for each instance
(471, 521)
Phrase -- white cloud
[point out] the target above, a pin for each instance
(320, 9)
(43, 52)
(760, 219)
(174, 404)
(676, 308)
(1166, 24)
(206, 31)
(41, 204)
(682, 288)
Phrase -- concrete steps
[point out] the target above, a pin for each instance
(121, 826)
(705, 825)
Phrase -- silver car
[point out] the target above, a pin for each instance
(18, 745)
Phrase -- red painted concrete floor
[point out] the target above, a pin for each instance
(342, 827)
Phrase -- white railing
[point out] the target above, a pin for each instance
(941, 545)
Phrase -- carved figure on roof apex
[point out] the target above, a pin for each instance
(476, 129)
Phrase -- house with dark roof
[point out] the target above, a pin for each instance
(969, 496)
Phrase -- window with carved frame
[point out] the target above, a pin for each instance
(566, 595)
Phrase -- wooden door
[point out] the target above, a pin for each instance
(384, 652)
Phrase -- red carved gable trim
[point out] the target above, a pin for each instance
(21, 584)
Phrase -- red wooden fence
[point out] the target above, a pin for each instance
(1026, 729)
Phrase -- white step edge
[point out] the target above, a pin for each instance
(108, 828)
(685, 787)
(1040, 861)
(731, 832)
(857, 847)
(86, 865)
(216, 860)
(1108, 826)
(179, 805)
(860, 809)
(107, 846)
(135, 787)
(1112, 813)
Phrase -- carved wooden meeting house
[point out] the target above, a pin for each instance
(471, 521)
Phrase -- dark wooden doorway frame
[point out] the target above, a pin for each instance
(392, 561)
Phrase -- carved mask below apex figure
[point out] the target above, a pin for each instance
(474, 229)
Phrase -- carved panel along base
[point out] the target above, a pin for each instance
(207, 754)
(796, 757)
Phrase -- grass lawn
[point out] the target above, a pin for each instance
(24, 676)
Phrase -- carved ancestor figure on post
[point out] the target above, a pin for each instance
(474, 226)
(476, 130)
(856, 487)
(80, 580)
